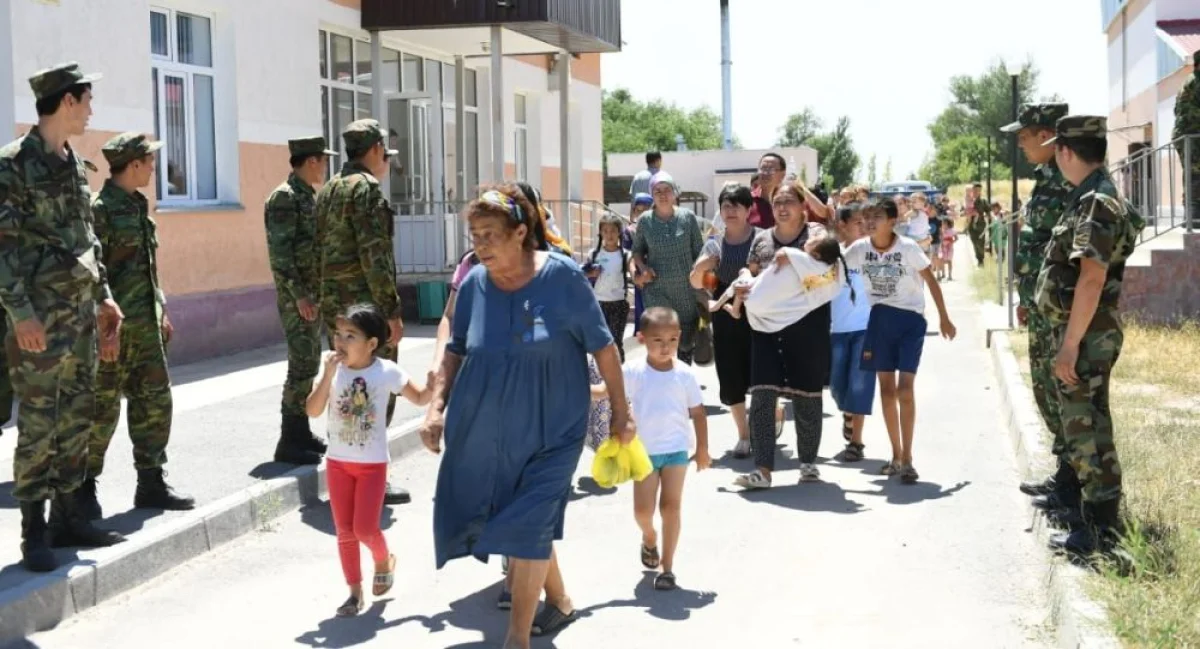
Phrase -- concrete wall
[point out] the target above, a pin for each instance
(1165, 291)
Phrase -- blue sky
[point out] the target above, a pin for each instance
(884, 63)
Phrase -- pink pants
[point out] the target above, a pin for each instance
(356, 497)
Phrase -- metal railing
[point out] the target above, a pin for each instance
(1161, 184)
(431, 236)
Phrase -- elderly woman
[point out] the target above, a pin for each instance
(792, 362)
(512, 398)
(666, 245)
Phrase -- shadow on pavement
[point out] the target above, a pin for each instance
(268, 470)
(807, 497)
(130, 521)
(337, 632)
(671, 605)
(713, 411)
(587, 487)
(320, 517)
(898, 493)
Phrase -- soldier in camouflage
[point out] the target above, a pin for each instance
(1078, 291)
(978, 216)
(54, 289)
(1187, 122)
(1042, 212)
(291, 244)
(355, 237)
(129, 240)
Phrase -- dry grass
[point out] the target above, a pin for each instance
(1155, 602)
(983, 278)
(1001, 191)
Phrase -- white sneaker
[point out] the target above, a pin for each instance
(809, 473)
(753, 480)
(742, 448)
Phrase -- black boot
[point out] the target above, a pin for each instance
(35, 554)
(87, 500)
(311, 441)
(1045, 486)
(153, 492)
(396, 495)
(1065, 519)
(1099, 533)
(293, 445)
(70, 528)
(1067, 492)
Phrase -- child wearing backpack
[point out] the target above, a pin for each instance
(608, 268)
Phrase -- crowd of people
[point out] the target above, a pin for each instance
(801, 293)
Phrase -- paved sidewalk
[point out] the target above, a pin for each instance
(223, 438)
(853, 561)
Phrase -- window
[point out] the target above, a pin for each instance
(345, 68)
(521, 138)
(181, 76)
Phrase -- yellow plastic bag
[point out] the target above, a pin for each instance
(616, 463)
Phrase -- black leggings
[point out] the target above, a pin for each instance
(807, 413)
(616, 314)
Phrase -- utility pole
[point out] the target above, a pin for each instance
(1013, 233)
(726, 79)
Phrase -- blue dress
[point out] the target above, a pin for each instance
(518, 412)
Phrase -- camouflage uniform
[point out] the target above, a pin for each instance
(6, 391)
(355, 234)
(1042, 212)
(1100, 225)
(291, 244)
(977, 228)
(1187, 122)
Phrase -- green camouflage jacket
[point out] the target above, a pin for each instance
(1098, 224)
(978, 223)
(354, 234)
(1042, 212)
(129, 238)
(291, 239)
(48, 245)
(1187, 116)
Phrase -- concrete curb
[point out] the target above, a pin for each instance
(1080, 622)
(47, 600)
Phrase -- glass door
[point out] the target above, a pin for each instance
(409, 132)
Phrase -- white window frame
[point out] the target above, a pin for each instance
(521, 139)
(169, 66)
(467, 108)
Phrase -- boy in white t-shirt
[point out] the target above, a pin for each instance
(896, 273)
(664, 396)
(360, 385)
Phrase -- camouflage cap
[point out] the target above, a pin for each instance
(309, 146)
(1080, 127)
(364, 134)
(127, 147)
(1046, 115)
(58, 78)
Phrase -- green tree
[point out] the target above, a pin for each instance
(887, 171)
(799, 129)
(872, 177)
(835, 153)
(632, 126)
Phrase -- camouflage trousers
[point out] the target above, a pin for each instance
(6, 391)
(1086, 416)
(303, 355)
(141, 376)
(389, 352)
(56, 393)
(1041, 368)
(978, 242)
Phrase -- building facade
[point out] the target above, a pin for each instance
(225, 84)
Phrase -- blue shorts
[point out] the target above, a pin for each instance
(664, 460)
(895, 338)
(852, 386)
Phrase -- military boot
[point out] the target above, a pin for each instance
(1045, 486)
(292, 446)
(153, 492)
(1099, 533)
(70, 528)
(35, 553)
(1065, 518)
(1066, 495)
(311, 441)
(88, 501)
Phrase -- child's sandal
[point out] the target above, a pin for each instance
(650, 557)
(384, 580)
(853, 452)
(350, 608)
(847, 427)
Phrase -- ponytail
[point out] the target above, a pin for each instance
(846, 272)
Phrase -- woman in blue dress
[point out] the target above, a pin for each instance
(513, 402)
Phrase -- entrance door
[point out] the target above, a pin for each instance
(409, 124)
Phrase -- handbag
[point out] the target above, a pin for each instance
(702, 351)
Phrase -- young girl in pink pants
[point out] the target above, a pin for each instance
(358, 453)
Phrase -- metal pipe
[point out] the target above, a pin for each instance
(726, 79)
(460, 151)
(1013, 232)
(497, 105)
(565, 222)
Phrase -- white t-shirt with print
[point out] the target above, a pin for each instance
(357, 411)
(610, 286)
(660, 402)
(892, 276)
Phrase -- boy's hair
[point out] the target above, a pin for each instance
(49, 105)
(368, 319)
(657, 317)
(653, 157)
(1089, 150)
(298, 161)
(736, 193)
(887, 206)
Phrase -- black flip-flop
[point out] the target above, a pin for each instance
(847, 427)
(665, 581)
(650, 557)
(550, 619)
